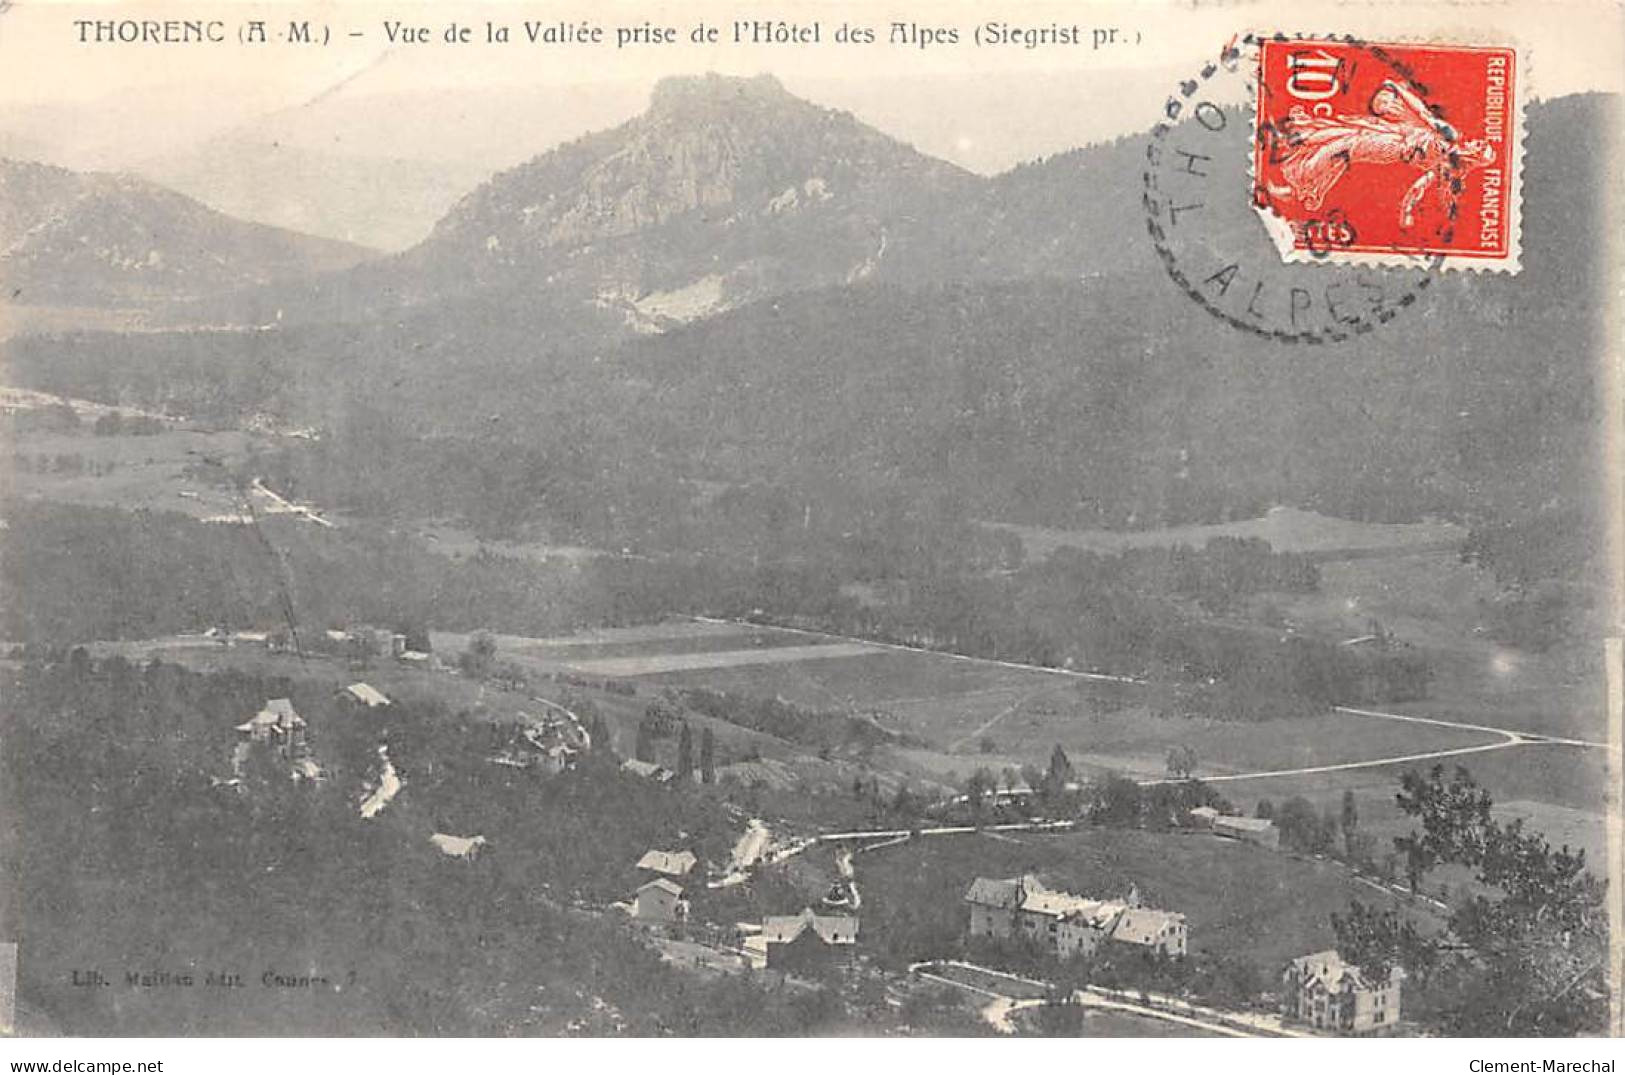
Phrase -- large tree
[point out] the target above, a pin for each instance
(1182, 761)
(685, 754)
(1376, 941)
(1351, 821)
(1537, 932)
(708, 756)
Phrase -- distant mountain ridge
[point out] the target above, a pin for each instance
(1016, 345)
(724, 191)
(103, 239)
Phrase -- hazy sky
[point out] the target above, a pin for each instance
(469, 109)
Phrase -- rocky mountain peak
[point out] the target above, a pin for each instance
(687, 94)
(714, 156)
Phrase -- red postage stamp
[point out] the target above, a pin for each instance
(1389, 154)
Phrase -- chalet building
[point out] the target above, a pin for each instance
(1066, 924)
(808, 942)
(1329, 994)
(661, 900)
(669, 863)
(278, 725)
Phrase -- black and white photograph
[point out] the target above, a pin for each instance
(940, 520)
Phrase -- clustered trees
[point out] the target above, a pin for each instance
(128, 848)
(1525, 956)
(826, 731)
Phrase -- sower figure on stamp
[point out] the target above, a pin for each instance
(1319, 150)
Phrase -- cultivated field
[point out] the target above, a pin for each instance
(955, 715)
(659, 664)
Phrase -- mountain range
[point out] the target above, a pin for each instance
(111, 240)
(748, 287)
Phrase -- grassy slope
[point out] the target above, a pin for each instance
(1238, 899)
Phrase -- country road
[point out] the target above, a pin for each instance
(1510, 737)
(1529, 737)
(1010, 993)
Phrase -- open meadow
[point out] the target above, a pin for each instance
(952, 715)
(163, 471)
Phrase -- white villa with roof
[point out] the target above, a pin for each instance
(1330, 994)
(1067, 924)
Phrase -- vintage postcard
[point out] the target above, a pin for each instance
(923, 520)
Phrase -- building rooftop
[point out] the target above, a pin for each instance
(278, 713)
(366, 694)
(831, 929)
(1330, 970)
(1142, 925)
(672, 863)
(1028, 893)
(664, 885)
(990, 892)
(1048, 901)
(1247, 824)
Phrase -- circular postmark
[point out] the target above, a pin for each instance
(1237, 175)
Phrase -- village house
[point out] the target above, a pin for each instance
(670, 863)
(1203, 817)
(1329, 994)
(1252, 830)
(648, 770)
(364, 694)
(660, 900)
(277, 724)
(550, 744)
(1151, 930)
(238, 638)
(808, 942)
(279, 728)
(1069, 925)
(467, 848)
